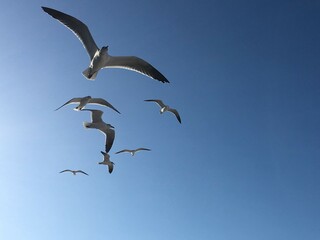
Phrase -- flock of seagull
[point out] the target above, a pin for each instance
(99, 58)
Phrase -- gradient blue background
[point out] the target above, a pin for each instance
(244, 163)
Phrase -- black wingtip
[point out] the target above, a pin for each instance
(54, 13)
(50, 11)
(163, 80)
(46, 9)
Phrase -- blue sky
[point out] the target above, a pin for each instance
(244, 163)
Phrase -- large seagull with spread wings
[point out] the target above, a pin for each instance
(99, 58)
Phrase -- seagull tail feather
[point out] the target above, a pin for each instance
(86, 124)
(87, 73)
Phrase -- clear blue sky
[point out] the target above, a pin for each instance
(245, 162)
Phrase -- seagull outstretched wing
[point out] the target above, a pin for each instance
(135, 64)
(73, 100)
(157, 101)
(124, 150)
(80, 171)
(77, 27)
(175, 112)
(101, 101)
(96, 115)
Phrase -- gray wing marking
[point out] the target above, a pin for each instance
(77, 27)
(80, 171)
(175, 112)
(158, 101)
(146, 149)
(101, 101)
(135, 64)
(110, 166)
(110, 135)
(96, 115)
(73, 100)
(124, 150)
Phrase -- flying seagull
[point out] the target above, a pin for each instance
(98, 123)
(165, 108)
(132, 152)
(74, 171)
(99, 58)
(88, 100)
(106, 161)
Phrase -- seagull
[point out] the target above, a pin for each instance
(106, 161)
(74, 171)
(132, 152)
(98, 123)
(165, 108)
(99, 58)
(88, 100)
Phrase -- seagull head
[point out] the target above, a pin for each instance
(104, 49)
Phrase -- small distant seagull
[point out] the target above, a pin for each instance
(88, 100)
(165, 108)
(98, 123)
(106, 161)
(132, 152)
(74, 171)
(99, 57)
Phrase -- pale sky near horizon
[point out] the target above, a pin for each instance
(244, 164)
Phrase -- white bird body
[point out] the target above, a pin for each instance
(165, 108)
(83, 101)
(99, 58)
(106, 161)
(132, 152)
(74, 172)
(98, 62)
(105, 128)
